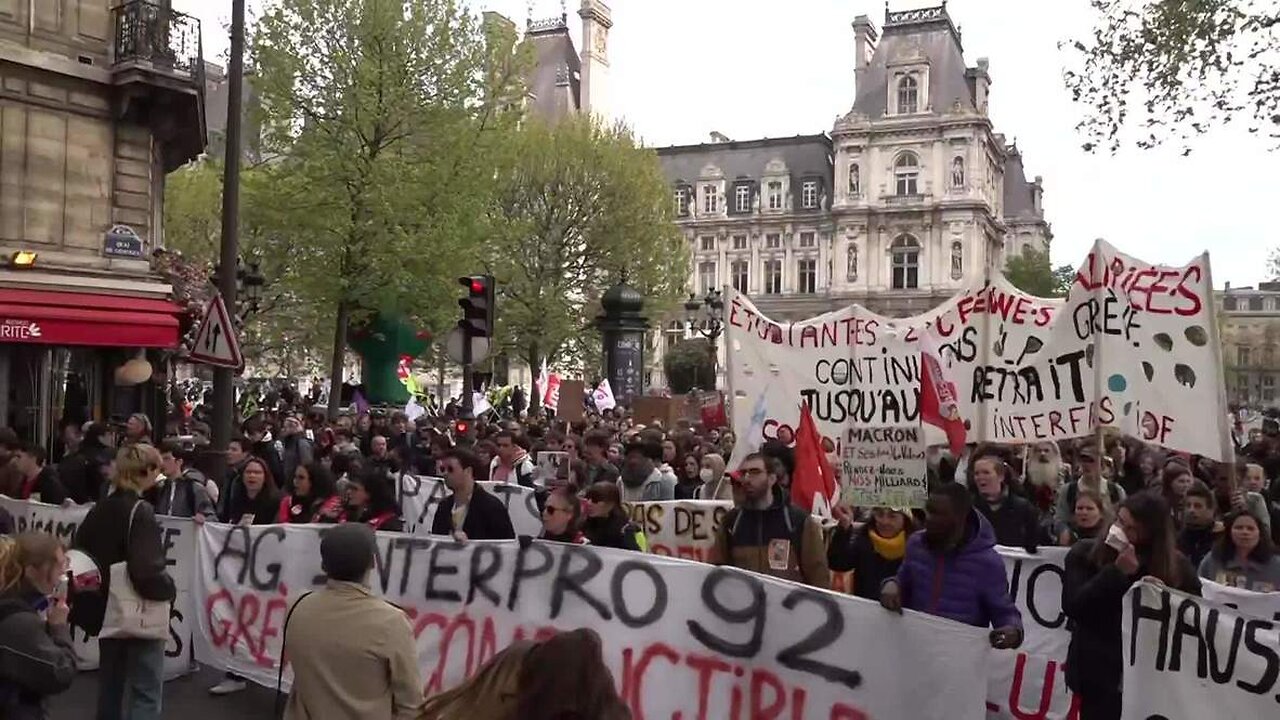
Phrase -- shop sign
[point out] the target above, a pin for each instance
(122, 241)
(19, 330)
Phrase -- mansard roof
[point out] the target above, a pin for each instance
(803, 155)
(926, 35)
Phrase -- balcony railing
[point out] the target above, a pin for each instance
(150, 33)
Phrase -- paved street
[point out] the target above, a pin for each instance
(187, 698)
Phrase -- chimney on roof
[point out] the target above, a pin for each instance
(979, 80)
(864, 46)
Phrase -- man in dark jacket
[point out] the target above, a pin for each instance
(81, 471)
(952, 570)
(37, 658)
(1015, 521)
(255, 431)
(39, 481)
(470, 513)
(183, 492)
(1200, 529)
(769, 535)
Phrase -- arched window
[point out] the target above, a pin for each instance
(852, 270)
(855, 182)
(907, 172)
(957, 260)
(906, 263)
(957, 172)
(908, 95)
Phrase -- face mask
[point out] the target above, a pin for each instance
(705, 475)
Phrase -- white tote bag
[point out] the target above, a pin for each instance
(129, 616)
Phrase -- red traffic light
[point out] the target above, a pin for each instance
(477, 287)
(461, 427)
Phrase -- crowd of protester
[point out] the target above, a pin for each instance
(1126, 511)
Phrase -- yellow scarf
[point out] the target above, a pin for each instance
(893, 548)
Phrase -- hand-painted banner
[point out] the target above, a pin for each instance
(1188, 658)
(1133, 347)
(420, 495)
(683, 639)
(1263, 605)
(885, 467)
(177, 538)
(680, 528)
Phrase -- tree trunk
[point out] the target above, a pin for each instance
(339, 354)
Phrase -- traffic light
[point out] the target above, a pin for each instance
(477, 306)
(461, 428)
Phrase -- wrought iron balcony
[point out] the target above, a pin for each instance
(147, 33)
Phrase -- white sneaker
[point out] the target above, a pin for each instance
(228, 686)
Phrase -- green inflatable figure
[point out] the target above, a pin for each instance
(381, 343)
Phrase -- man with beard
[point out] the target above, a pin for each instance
(1045, 473)
(952, 570)
(642, 480)
(765, 533)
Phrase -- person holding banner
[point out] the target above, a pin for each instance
(1097, 576)
(315, 497)
(952, 570)
(561, 517)
(874, 553)
(769, 535)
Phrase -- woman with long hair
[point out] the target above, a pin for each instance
(562, 517)
(1243, 556)
(1174, 483)
(607, 524)
(561, 678)
(873, 553)
(1098, 575)
(688, 467)
(1093, 513)
(37, 658)
(315, 497)
(371, 500)
(123, 528)
(255, 500)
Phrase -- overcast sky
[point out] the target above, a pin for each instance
(768, 68)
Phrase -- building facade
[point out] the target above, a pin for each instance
(99, 99)
(909, 196)
(1249, 322)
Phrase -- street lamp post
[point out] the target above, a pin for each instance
(705, 316)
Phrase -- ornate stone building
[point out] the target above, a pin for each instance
(99, 99)
(912, 192)
(1249, 319)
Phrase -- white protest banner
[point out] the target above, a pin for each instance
(1263, 605)
(1133, 347)
(1187, 658)
(683, 639)
(177, 538)
(420, 495)
(680, 528)
(885, 467)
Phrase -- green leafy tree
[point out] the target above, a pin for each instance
(377, 112)
(579, 206)
(1031, 272)
(1177, 68)
(689, 365)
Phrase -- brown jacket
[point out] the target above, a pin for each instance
(353, 658)
(746, 538)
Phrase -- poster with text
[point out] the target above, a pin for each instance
(885, 467)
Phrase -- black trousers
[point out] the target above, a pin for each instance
(1100, 705)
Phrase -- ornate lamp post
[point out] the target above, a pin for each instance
(705, 317)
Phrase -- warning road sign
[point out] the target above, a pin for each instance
(216, 342)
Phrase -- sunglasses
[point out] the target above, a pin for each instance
(552, 509)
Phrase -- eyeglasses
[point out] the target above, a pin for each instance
(551, 509)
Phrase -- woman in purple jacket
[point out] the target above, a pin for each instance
(952, 570)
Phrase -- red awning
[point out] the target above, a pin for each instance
(65, 318)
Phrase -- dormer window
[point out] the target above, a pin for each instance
(908, 95)
(775, 196)
(682, 202)
(742, 198)
(710, 199)
(907, 173)
(809, 194)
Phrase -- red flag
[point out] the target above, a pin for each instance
(813, 477)
(939, 402)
